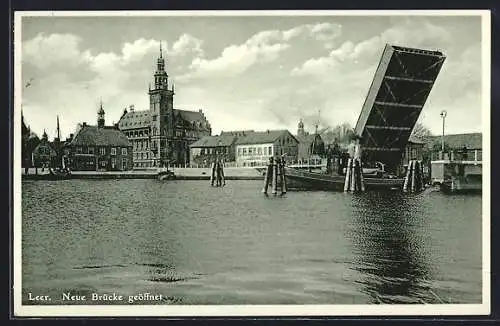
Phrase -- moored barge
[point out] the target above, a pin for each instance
(304, 180)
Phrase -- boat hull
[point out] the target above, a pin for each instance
(303, 180)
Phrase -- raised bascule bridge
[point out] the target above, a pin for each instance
(402, 82)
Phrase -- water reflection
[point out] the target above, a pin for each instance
(386, 233)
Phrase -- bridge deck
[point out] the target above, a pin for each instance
(402, 82)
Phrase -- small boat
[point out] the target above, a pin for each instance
(300, 179)
(59, 173)
(165, 174)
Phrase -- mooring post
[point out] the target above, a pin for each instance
(353, 175)
(268, 176)
(419, 176)
(275, 177)
(362, 180)
(283, 180)
(223, 178)
(413, 169)
(212, 174)
(347, 182)
(218, 174)
(407, 177)
(357, 171)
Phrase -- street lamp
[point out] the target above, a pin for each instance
(443, 116)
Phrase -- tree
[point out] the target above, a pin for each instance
(339, 134)
(420, 131)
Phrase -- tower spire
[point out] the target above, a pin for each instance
(100, 116)
(161, 52)
(58, 129)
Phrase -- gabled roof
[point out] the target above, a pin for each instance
(459, 141)
(94, 136)
(214, 141)
(135, 119)
(191, 116)
(44, 143)
(307, 138)
(142, 118)
(238, 133)
(416, 140)
(262, 137)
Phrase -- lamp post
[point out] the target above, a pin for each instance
(443, 116)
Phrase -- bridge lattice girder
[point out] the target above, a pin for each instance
(402, 82)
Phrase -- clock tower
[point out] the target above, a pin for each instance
(161, 106)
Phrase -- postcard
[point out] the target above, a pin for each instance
(251, 163)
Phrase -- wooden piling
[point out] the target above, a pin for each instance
(222, 177)
(347, 181)
(361, 178)
(275, 177)
(353, 175)
(283, 185)
(268, 176)
(357, 175)
(212, 174)
(418, 176)
(407, 177)
(413, 170)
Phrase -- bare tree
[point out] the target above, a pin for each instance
(420, 131)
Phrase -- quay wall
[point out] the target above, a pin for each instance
(180, 173)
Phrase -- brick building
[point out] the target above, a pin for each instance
(205, 150)
(99, 148)
(44, 154)
(162, 134)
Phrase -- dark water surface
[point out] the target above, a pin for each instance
(194, 244)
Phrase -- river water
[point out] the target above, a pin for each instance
(195, 244)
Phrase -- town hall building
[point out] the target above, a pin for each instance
(162, 134)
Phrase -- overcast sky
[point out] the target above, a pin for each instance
(244, 72)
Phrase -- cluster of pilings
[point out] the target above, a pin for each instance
(354, 181)
(217, 176)
(275, 176)
(414, 177)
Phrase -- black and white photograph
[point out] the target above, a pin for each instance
(251, 163)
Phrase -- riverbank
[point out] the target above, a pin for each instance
(240, 173)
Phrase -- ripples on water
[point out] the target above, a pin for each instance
(200, 245)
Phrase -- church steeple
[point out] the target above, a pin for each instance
(100, 116)
(300, 128)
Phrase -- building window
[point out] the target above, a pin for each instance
(124, 151)
(239, 151)
(102, 150)
(124, 164)
(91, 150)
(78, 150)
(244, 151)
(103, 163)
(270, 150)
(154, 117)
(113, 163)
(259, 151)
(265, 150)
(113, 151)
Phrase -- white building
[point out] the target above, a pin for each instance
(256, 148)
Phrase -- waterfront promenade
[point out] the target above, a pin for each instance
(231, 173)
